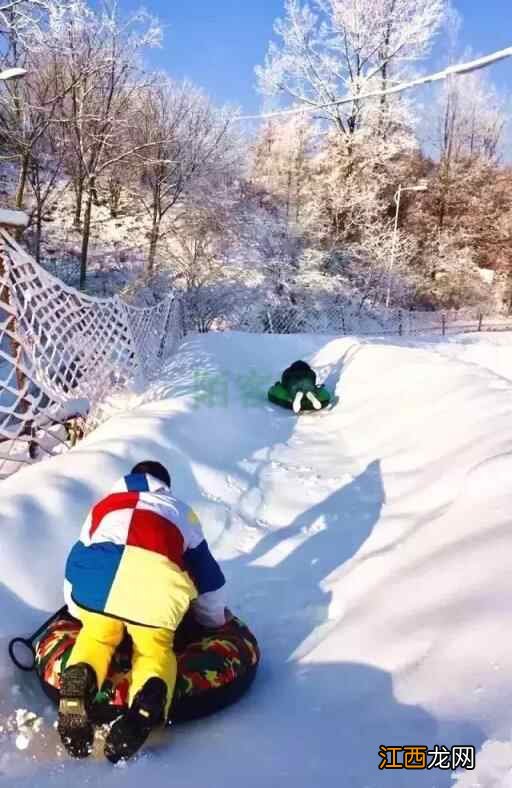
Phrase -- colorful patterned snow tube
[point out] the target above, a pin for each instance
(215, 668)
(279, 395)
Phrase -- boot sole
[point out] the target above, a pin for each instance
(124, 742)
(130, 732)
(75, 730)
(314, 401)
(297, 402)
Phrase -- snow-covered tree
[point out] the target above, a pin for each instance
(32, 132)
(23, 24)
(461, 215)
(281, 161)
(101, 50)
(337, 48)
(183, 140)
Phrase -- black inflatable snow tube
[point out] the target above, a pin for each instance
(215, 667)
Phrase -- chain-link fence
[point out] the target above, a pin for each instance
(334, 317)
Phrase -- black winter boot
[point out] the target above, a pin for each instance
(130, 731)
(77, 692)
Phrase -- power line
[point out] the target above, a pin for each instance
(461, 68)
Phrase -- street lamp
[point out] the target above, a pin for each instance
(420, 187)
(12, 73)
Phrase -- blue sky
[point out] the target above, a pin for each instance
(217, 43)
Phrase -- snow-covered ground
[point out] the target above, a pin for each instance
(367, 546)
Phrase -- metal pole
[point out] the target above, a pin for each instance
(393, 248)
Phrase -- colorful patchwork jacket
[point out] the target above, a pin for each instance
(142, 557)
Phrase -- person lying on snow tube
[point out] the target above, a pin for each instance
(132, 569)
(298, 389)
(215, 666)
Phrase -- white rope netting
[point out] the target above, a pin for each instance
(62, 353)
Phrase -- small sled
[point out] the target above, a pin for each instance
(279, 395)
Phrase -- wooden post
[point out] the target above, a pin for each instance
(13, 222)
(400, 323)
(443, 324)
(480, 319)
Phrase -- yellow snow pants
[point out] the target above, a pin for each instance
(153, 652)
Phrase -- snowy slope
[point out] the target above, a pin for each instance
(367, 546)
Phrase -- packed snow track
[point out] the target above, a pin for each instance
(368, 547)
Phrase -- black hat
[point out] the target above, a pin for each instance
(155, 469)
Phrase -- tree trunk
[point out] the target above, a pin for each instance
(383, 101)
(509, 292)
(115, 198)
(95, 198)
(22, 180)
(39, 229)
(79, 193)
(443, 197)
(16, 349)
(155, 236)
(288, 196)
(86, 232)
(384, 71)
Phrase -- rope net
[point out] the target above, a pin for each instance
(63, 353)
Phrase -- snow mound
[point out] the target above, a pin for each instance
(493, 767)
(367, 545)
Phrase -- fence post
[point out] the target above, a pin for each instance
(183, 317)
(343, 320)
(400, 323)
(163, 338)
(15, 221)
(480, 319)
(271, 327)
(443, 324)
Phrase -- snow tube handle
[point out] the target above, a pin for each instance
(29, 643)
(30, 646)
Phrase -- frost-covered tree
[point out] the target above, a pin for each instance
(101, 50)
(28, 106)
(461, 215)
(280, 164)
(23, 24)
(42, 163)
(337, 48)
(183, 139)
(32, 132)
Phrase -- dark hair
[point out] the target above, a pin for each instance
(153, 469)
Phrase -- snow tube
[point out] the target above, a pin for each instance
(279, 395)
(215, 668)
